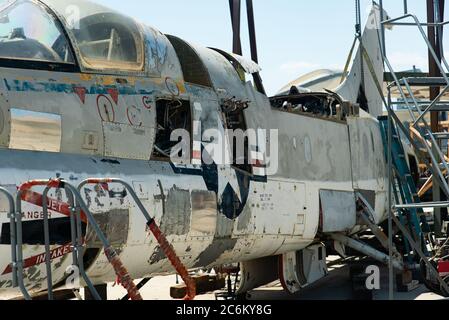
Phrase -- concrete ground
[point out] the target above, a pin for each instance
(336, 286)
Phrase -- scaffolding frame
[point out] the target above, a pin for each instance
(432, 138)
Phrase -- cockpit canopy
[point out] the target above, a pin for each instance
(28, 31)
(83, 36)
(103, 38)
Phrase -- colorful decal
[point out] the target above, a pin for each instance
(157, 49)
(69, 88)
(81, 93)
(147, 102)
(172, 86)
(134, 116)
(40, 258)
(105, 108)
(52, 204)
(113, 92)
(257, 161)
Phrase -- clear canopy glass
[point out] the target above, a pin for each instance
(105, 39)
(29, 32)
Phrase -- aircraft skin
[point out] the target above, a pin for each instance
(78, 122)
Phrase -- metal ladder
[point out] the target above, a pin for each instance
(12, 213)
(77, 206)
(438, 163)
(404, 190)
(405, 84)
(166, 247)
(437, 160)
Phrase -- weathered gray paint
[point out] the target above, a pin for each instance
(176, 218)
(114, 224)
(224, 227)
(244, 220)
(214, 251)
(325, 157)
(367, 157)
(316, 153)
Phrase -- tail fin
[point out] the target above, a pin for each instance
(359, 85)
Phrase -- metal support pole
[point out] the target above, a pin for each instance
(19, 248)
(253, 44)
(47, 243)
(424, 205)
(80, 253)
(434, 93)
(405, 7)
(367, 250)
(358, 35)
(236, 17)
(390, 203)
(252, 30)
(12, 232)
(439, 29)
(433, 65)
(358, 19)
(382, 30)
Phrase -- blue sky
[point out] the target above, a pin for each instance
(294, 36)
